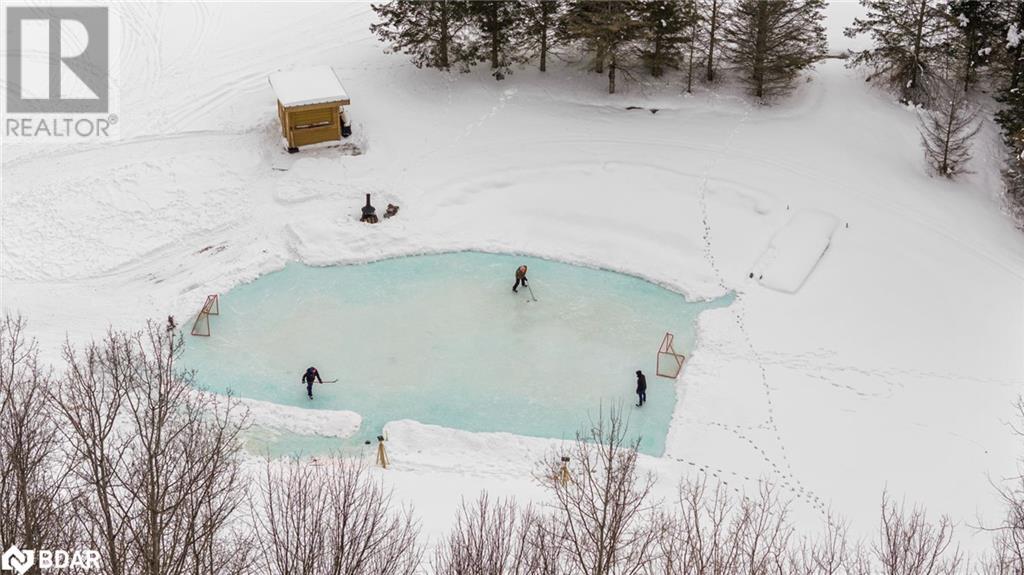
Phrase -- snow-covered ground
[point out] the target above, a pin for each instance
(895, 365)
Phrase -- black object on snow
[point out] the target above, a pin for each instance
(369, 212)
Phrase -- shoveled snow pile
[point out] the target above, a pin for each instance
(795, 250)
(322, 422)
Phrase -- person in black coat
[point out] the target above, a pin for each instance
(641, 388)
(520, 279)
(309, 377)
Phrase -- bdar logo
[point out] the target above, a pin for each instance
(16, 560)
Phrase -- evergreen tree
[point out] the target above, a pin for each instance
(1009, 68)
(1009, 53)
(666, 26)
(540, 27)
(978, 26)
(499, 25)
(771, 41)
(1013, 178)
(1011, 119)
(947, 129)
(692, 54)
(579, 24)
(713, 14)
(911, 39)
(607, 28)
(432, 32)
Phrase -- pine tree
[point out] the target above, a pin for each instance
(692, 54)
(1008, 65)
(608, 29)
(947, 129)
(713, 14)
(666, 26)
(771, 41)
(579, 24)
(911, 39)
(1011, 119)
(978, 25)
(499, 26)
(1009, 53)
(540, 27)
(1013, 180)
(429, 31)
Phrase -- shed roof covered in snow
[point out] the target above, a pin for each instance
(308, 86)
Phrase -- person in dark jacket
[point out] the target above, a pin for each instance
(520, 279)
(641, 388)
(309, 377)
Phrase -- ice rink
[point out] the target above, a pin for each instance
(442, 339)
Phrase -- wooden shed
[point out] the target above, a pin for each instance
(310, 105)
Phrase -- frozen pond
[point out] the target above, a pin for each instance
(442, 339)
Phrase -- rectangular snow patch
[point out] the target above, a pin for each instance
(794, 251)
(316, 85)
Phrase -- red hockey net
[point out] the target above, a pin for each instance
(202, 324)
(670, 363)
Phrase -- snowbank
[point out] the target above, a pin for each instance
(794, 252)
(416, 445)
(323, 422)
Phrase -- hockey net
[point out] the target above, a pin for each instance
(670, 363)
(202, 324)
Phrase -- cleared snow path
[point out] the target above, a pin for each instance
(795, 250)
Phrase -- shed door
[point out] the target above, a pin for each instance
(312, 118)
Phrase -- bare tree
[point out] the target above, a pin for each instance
(35, 500)
(947, 130)
(763, 530)
(365, 535)
(544, 535)
(910, 544)
(716, 533)
(156, 460)
(90, 397)
(603, 509)
(488, 537)
(861, 560)
(711, 537)
(330, 519)
(290, 513)
(1007, 555)
(1008, 540)
(828, 554)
